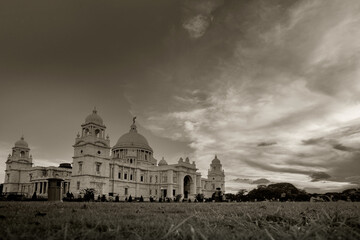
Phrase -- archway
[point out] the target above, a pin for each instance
(187, 186)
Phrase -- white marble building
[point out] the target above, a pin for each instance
(22, 178)
(127, 168)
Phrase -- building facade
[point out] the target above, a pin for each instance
(126, 169)
(22, 178)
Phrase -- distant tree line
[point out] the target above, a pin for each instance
(288, 192)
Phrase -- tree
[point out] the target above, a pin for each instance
(130, 199)
(282, 191)
(230, 197)
(240, 195)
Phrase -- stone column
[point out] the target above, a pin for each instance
(193, 186)
(137, 180)
(170, 175)
(181, 183)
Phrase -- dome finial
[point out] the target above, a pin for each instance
(22, 137)
(133, 126)
(94, 118)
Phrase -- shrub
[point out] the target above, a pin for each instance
(178, 198)
(89, 194)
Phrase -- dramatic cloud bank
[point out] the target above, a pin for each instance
(271, 87)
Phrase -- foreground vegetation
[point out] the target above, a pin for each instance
(262, 220)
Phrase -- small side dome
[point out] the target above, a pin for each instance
(162, 162)
(22, 143)
(94, 118)
(215, 160)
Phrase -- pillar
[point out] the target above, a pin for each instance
(181, 183)
(193, 186)
(170, 178)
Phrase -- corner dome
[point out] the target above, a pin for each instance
(94, 118)
(133, 139)
(21, 143)
(162, 162)
(215, 160)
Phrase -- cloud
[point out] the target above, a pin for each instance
(197, 25)
(354, 179)
(197, 16)
(278, 71)
(263, 144)
(271, 168)
(312, 141)
(241, 180)
(261, 181)
(344, 148)
(319, 176)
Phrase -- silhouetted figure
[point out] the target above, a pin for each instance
(218, 196)
(103, 198)
(130, 199)
(34, 197)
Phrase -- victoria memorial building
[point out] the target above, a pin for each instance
(127, 168)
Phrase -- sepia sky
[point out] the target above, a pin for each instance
(271, 87)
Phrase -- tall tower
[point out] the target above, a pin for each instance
(91, 157)
(216, 175)
(17, 166)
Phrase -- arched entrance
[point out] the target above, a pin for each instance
(187, 186)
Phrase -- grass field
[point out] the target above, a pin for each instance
(262, 220)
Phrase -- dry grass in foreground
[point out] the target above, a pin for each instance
(262, 220)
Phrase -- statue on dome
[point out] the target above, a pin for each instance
(134, 118)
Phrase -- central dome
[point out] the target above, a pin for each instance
(133, 139)
(94, 118)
